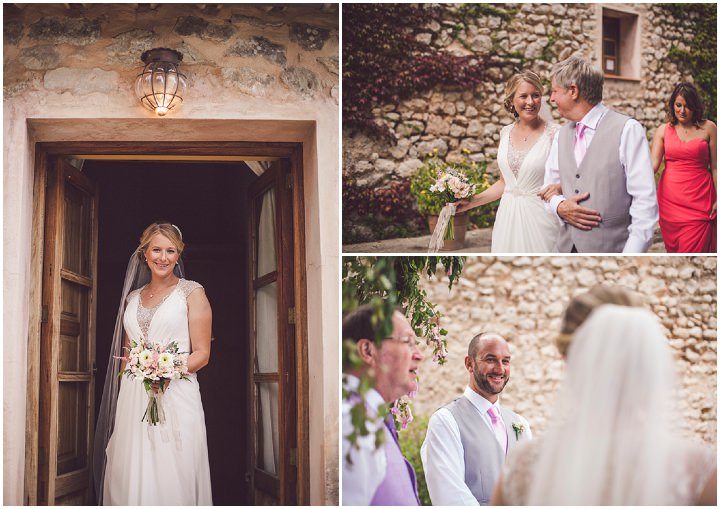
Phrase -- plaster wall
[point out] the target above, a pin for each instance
(255, 73)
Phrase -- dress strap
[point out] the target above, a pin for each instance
(187, 287)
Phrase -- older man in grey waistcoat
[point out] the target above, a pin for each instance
(467, 439)
(602, 159)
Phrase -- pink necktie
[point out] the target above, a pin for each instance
(580, 143)
(498, 428)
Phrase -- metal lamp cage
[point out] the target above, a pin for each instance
(161, 87)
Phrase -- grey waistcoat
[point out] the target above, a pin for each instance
(484, 456)
(600, 174)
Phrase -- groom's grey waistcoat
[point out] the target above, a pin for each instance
(484, 456)
(601, 174)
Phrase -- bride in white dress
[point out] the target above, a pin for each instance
(522, 224)
(165, 464)
(612, 437)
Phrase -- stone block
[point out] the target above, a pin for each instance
(127, 48)
(259, 46)
(75, 31)
(437, 125)
(302, 80)
(410, 128)
(309, 38)
(40, 57)
(81, 81)
(332, 64)
(428, 147)
(474, 128)
(257, 22)
(472, 145)
(408, 168)
(457, 131)
(12, 31)
(249, 81)
(385, 166)
(481, 44)
(424, 38)
(199, 27)
(400, 150)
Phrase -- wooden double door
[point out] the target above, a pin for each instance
(268, 406)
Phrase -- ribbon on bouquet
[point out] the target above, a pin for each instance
(438, 234)
(161, 428)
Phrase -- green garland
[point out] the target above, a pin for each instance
(384, 282)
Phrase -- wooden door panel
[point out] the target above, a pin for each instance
(72, 444)
(67, 349)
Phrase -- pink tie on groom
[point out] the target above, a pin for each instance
(580, 147)
(498, 428)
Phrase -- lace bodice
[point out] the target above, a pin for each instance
(144, 316)
(687, 474)
(511, 159)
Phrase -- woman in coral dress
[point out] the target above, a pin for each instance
(687, 191)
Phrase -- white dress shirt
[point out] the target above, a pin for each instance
(443, 457)
(640, 180)
(361, 479)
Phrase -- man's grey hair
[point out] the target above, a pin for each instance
(581, 73)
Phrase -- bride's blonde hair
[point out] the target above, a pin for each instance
(582, 305)
(164, 228)
(514, 82)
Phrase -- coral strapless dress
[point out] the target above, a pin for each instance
(686, 194)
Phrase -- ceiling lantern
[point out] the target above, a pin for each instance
(160, 87)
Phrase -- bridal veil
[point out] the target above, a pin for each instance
(609, 440)
(137, 275)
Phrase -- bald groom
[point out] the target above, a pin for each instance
(467, 439)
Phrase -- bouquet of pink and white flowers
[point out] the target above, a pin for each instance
(155, 362)
(453, 185)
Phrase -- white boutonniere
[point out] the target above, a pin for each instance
(519, 428)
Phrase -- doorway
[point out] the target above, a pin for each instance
(213, 204)
(208, 202)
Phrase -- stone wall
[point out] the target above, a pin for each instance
(535, 37)
(85, 54)
(523, 299)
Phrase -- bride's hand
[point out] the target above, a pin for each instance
(464, 205)
(156, 386)
(548, 192)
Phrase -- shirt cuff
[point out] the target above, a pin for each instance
(554, 202)
(636, 244)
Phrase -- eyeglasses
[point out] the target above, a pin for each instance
(410, 341)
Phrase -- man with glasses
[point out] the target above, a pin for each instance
(378, 476)
(467, 439)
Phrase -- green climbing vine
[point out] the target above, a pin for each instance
(700, 59)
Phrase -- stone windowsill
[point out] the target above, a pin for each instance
(621, 78)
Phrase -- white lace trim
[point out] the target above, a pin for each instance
(145, 315)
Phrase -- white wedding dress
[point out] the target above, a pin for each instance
(522, 224)
(166, 464)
